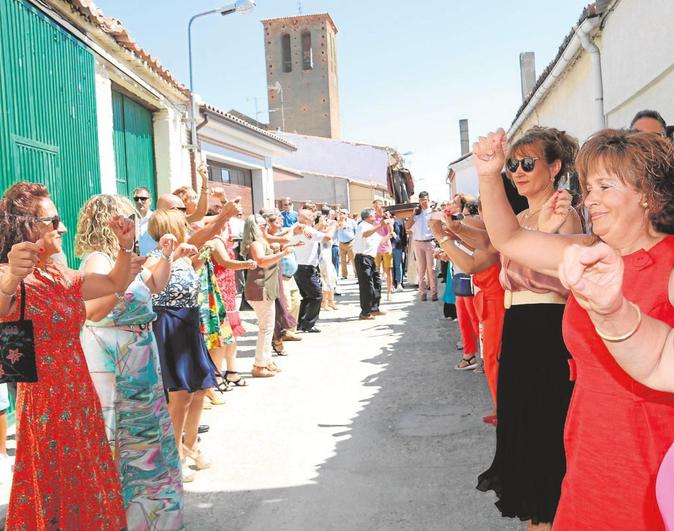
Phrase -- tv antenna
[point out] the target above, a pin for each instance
(299, 7)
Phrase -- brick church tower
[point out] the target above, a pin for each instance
(301, 64)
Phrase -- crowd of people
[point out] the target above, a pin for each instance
(563, 296)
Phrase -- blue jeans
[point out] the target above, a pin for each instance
(335, 257)
(397, 266)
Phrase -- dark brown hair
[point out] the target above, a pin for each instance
(642, 161)
(18, 212)
(553, 144)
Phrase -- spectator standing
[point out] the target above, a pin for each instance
(287, 213)
(423, 247)
(399, 244)
(648, 121)
(366, 243)
(308, 276)
(384, 256)
(143, 201)
(346, 232)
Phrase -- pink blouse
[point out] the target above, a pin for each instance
(516, 277)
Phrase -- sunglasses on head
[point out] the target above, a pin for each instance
(54, 220)
(182, 208)
(139, 198)
(527, 163)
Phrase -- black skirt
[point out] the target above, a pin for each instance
(183, 356)
(532, 399)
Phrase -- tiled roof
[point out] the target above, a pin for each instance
(290, 20)
(114, 28)
(591, 10)
(235, 119)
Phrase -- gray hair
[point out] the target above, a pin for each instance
(366, 213)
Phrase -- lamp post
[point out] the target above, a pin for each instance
(278, 88)
(240, 6)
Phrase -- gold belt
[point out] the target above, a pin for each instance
(514, 298)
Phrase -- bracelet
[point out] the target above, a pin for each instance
(128, 250)
(617, 339)
(168, 258)
(119, 297)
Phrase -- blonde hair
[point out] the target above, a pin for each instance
(183, 193)
(251, 233)
(168, 222)
(93, 224)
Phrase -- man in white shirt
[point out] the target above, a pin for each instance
(423, 247)
(366, 243)
(143, 201)
(307, 276)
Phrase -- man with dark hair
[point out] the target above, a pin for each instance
(649, 121)
(365, 245)
(423, 247)
(142, 198)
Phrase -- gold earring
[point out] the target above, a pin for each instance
(644, 204)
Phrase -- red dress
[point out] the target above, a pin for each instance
(226, 279)
(64, 475)
(617, 430)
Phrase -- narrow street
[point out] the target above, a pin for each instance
(367, 427)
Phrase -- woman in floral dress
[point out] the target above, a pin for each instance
(121, 353)
(64, 475)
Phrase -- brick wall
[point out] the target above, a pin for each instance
(233, 190)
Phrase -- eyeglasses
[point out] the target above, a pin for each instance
(527, 163)
(139, 198)
(54, 220)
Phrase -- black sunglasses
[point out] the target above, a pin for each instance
(528, 164)
(138, 198)
(54, 220)
(182, 209)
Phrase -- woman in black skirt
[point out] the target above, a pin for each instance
(533, 382)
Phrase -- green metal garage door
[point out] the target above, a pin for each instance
(48, 130)
(134, 145)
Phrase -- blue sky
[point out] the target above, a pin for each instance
(408, 70)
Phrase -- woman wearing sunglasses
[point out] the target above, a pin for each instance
(64, 476)
(122, 357)
(617, 430)
(533, 388)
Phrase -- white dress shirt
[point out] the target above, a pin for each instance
(420, 230)
(367, 246)
(308, 253)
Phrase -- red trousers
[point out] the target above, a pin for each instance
(468, 324)
(491, 312)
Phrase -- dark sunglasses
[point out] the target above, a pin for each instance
(528, 164)
(138, 198)
(54, 220)
(182, 209)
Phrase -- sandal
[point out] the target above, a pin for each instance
(466, 364)
(273, 367)
(239, 382)
(262, 372)
(277, 346)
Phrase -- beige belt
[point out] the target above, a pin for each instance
(514, 298)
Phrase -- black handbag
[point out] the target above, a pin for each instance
(17, 348)
(462, 285)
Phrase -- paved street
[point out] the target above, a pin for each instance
(368, 427)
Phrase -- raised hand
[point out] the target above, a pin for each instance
(232, 208)
(125, 230)
(167, 244)
(135, 266)
(219, 193)
(23, 257)
(489, 154)
(202, 170)
(250, 264)
(595, 276)
(184, 250)
(554, 212)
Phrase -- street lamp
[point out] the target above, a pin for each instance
(240, 6)
(276, 87)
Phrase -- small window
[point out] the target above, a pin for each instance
(307, 52)
(287, 53)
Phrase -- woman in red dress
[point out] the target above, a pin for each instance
(617, 430)
(64, 475)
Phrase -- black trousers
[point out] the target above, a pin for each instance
(369, 284)
(308, 281)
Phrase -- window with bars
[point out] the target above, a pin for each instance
(286, 53)
(222, 173)
(307, 51)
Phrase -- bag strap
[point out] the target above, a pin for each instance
(23, 300)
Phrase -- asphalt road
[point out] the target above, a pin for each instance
(367, 428)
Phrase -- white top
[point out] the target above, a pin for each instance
(308, 253)
(420, 230)
(145, 241)
(367, 246)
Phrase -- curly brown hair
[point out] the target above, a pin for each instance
(642, 161)
(93, 224)
(553, 145)
(19, 209)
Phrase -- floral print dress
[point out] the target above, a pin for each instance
(64, 474)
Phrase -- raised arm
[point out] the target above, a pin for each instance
(538, 250)
(642, 345)
(202, 205)
(212, 229)
(469, 263)
(256, 252)
(22, 259)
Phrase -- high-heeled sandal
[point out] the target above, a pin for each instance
(277, 346)
(239, 382)
(200, 461)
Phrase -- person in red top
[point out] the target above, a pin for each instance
(64, 475)
(617, 430)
